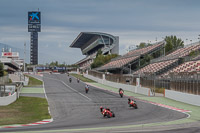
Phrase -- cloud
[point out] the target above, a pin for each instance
(62, 21)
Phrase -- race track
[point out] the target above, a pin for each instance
(72, 108)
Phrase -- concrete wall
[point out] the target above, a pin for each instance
(8, 100)
(183, 97)
(140, 90)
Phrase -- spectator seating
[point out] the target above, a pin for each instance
(190, 66)
(130, 57)
(118, 63)
(179, 53)
(156, 67)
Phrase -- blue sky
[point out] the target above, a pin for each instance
(134, 21)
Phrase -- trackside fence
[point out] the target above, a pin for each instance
(182, 82)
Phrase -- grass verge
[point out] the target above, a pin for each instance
(82, 78)
(194, 114)
(34, 81)
(24, 110)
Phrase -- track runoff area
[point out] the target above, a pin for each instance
(72, 109)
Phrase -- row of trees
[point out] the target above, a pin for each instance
(56, 63)
(102, 59)
(172, 43)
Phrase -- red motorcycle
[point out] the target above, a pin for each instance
(121, 93)
(133, 104)
(107, 112)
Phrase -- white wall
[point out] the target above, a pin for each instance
(8, 99)
(183, 97)
(140, 90)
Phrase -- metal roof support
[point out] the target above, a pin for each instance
(103, 40)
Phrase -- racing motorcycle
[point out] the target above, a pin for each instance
(107, 112)
(121, 93)
(78, 80)
(86, 89)
(133, 104)
(70, 80)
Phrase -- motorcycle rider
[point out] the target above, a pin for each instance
(131, 100)
(70, 79)
(120, 89)
(86, 88)
(78, 80)
(103, 109)
(121, 92)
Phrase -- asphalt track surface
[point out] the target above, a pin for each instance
(72, 108)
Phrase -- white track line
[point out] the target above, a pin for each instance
(71, 88)
(77, 91)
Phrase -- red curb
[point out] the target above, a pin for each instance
(31, 124)
(8, 127)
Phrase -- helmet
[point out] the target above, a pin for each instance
(101, 107)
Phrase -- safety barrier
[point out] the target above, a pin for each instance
(12, 95)
(8, 99)
(135, 89)
(183, 97)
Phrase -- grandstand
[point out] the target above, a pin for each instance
(91, 42)
(156, 68)
(163, 64)
(179, 53)
(129, 61)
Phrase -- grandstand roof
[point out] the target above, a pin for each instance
(130, 57)
(84, 37)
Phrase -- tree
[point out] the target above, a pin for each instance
(102, 59)
(1, 70)
(99, 52)
(142, 45)
(172, 43)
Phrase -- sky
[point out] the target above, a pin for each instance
(134, 21)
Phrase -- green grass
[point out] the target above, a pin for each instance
(81, 77)
(34, 81)
(194, 114)
(24, 110)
